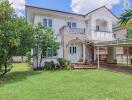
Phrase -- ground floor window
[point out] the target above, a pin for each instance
(51, 52)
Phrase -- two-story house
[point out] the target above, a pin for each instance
(76, 32)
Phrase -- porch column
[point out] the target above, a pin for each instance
(95, 53)
(111, 55)
(84, 52)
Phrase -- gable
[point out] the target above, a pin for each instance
(104, 12)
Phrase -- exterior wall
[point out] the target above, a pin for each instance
(120, 34)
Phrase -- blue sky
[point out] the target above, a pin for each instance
(65, 5)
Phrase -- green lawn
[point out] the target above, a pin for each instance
(24, 84)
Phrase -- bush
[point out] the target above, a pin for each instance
(61, 63)
(69, 64)
(49, 65)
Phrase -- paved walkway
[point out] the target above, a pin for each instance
(112, 67)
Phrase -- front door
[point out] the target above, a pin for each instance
(73, 54)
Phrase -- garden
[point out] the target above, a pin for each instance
(22, 83)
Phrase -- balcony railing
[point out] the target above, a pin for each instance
(76, 30)
(102, 35)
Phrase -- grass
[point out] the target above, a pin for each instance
(24, 84)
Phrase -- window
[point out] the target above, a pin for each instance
(114, 35)
(51, 52)
(73, 50)
(97, 28)
(71, 24)
(50, 23)
(47, 22)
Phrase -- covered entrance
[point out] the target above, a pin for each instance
(111, 45)
(76, 50)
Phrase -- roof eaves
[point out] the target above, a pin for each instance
(55, 10)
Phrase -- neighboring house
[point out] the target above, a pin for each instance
(121, 52)
(76, 33)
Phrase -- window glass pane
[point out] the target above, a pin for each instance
(69, 24)
(75, 50)
(49, 52)
(73, 25)
(45, 22)
(50, 23)
(97, 28)
(54, 52)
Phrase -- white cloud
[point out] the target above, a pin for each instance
(85, 6)
(19, 5)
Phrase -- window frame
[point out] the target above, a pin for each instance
(52, 51)
(71, 24)
(49, 22)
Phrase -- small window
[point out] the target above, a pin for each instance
(73, 25)
(45, 22)
(69, 24)
(114, 35)
(51, 52)
(97, 28)
(75, 50)
(50, 23)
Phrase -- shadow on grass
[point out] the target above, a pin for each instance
(18, 76)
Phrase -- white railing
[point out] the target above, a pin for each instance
(76, 30)
(102, 35)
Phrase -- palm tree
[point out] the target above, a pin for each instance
(126, 17)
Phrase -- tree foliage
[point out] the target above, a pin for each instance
(129, 33)
(126, 17)
(14, 32)
(44, 39)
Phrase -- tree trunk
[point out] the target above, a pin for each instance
(40, 61)
(37, 56)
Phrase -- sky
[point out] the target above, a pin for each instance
(76, 6)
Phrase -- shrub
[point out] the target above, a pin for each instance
(61, 63)
(69, 64)
(49, 65)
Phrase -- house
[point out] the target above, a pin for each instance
(76, 33)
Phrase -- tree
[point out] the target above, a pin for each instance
(44, 40)
(129, 33)
(126, 17)
(14, 33)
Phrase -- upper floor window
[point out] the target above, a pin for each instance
(71, 24)
(47, 22)
(114, 35)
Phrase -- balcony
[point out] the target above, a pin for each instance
(73, 33)
(102, 36)
(76, 30)
(73, 30)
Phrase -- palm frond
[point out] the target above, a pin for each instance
(126, 17)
